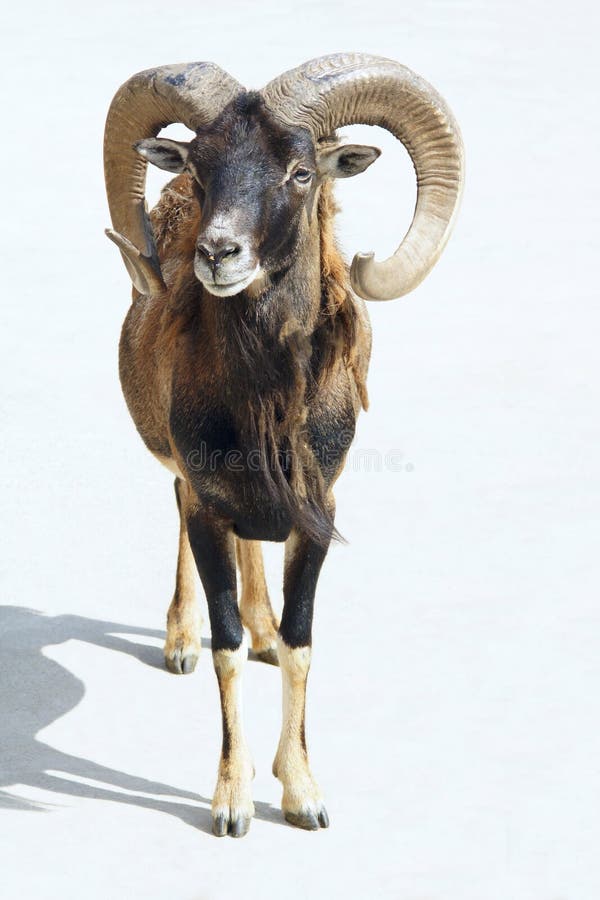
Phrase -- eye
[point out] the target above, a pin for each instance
(302, 175)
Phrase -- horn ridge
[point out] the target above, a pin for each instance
(352, 88)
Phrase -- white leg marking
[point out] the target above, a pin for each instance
(184, 622)
(232, 806)
(302, 802)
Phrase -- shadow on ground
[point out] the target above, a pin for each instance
(35, 691)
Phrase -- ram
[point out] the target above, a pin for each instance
(244, 355)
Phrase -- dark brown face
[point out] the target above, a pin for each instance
(254, 181)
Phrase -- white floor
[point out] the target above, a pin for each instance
(453, 704)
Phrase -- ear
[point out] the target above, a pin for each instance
(346, 160)
(168, 155)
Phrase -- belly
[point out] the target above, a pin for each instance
(258, 510)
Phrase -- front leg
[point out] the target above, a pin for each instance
(302, 803)
(213, 547)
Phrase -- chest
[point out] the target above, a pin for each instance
(246, 467)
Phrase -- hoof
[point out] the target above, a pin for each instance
(239, 827)
(323, 818)
(234, 827)
(220, 825)
(308, 819)
(180, 664)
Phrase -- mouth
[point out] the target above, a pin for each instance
(231, 288)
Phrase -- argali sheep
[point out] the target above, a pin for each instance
(244, 355)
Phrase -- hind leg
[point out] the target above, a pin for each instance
(255, 606)
(184, 622)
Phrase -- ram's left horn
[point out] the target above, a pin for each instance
(144, 276)
(191, 93)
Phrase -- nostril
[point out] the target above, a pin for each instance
(216, 253)
(201, 248)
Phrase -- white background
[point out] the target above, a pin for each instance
(453, 701)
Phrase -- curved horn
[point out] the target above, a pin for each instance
(192, 93)
(347, 89)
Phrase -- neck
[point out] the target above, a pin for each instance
(263, 357)
(262, 343)
(262, 349)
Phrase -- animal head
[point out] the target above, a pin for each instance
(255, 180)
(259, 158)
